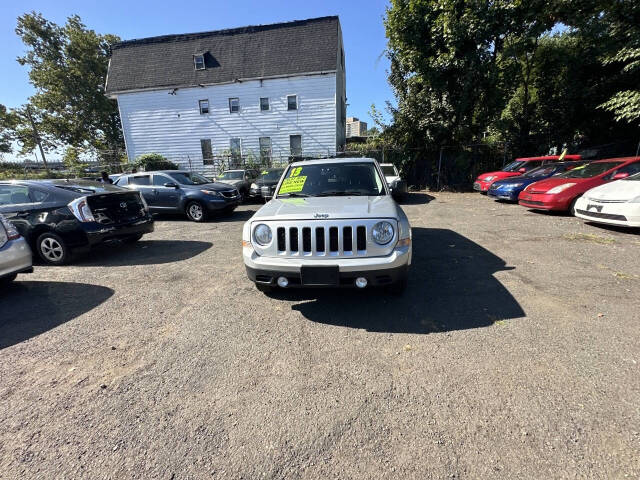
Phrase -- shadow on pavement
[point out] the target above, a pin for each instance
(416, 198)
(144, 252)
(31, 308)
(451, 287)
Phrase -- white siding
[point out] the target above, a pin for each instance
(158, 122)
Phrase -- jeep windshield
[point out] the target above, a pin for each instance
(332, 180)
(185, 178)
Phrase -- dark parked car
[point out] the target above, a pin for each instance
(266, 183)
(58, 216)
(239, 179)
(178, 191)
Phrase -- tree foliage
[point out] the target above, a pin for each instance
(467, 72)
(68, 68)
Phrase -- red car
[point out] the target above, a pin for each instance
(561, 191)
(515, 168)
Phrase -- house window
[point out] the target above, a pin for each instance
(264, 104)
(198, 62)
(205, 146)
(295, 145)
(235, 145)
(204, 106)
(265, 149)
(292, 102)
(234, 105)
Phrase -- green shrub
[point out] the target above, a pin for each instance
(155, 161)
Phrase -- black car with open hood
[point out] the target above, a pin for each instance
(59, 216)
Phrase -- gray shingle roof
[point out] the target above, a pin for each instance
(302, 46)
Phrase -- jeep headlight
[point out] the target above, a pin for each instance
(382, 233)
(262, 235)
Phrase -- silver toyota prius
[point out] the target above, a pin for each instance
(15, 254)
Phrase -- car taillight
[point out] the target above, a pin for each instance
(81, 210)
(7, 232)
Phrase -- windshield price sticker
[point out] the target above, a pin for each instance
(295, 182)
(264, 172)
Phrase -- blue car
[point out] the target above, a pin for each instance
(508, 189)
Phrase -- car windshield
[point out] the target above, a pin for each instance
(185, 178)
(541, 172)
(513, 166)
(589, 170)
(271, 175)
(235, 175)
(332, 179)
(388, 170)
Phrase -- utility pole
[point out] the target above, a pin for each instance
(36, 137)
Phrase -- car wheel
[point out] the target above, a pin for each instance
(264, 288)
(132, 238)
(195, 212)
(7, 280)
(52, 249)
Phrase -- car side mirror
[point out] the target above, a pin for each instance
(620, 176)
(171, 185)
(522, 170)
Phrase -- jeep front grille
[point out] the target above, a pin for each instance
(324, 238)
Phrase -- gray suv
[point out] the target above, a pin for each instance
(240, 179)
(179, 191)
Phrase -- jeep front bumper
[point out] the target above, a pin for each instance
(378, 271)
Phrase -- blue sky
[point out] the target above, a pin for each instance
(361, 22)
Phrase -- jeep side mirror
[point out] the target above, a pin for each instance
(621, 175)
(171, 185)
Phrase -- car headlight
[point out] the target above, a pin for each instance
(213, 193)
(254, 186)
(514, 185)
(262, 234)
(382, 233)
(488, 179)
(560, 188)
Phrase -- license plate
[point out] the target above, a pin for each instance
(320, 276)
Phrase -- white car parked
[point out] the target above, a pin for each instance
(331, 223)
(616, 203)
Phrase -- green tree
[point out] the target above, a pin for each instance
(68, 67)
(7, 128)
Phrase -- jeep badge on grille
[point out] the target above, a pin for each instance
(321, 215)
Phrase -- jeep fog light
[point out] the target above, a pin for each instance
(262, 235)
(283, 282)
(361, 282)
(382, 233)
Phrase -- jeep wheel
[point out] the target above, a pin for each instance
(52, 249)
(195, 212)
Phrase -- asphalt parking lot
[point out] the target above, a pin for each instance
(514, 353)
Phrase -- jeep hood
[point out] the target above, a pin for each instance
(335, 207)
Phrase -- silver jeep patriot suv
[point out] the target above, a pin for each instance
(331, 223)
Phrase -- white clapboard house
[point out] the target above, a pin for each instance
(257, 92)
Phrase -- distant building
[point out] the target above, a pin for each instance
(252, 92)
(356, 128)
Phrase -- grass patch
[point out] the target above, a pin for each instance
(589, 237)
(625, 276)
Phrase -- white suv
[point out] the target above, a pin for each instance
(331, 223)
